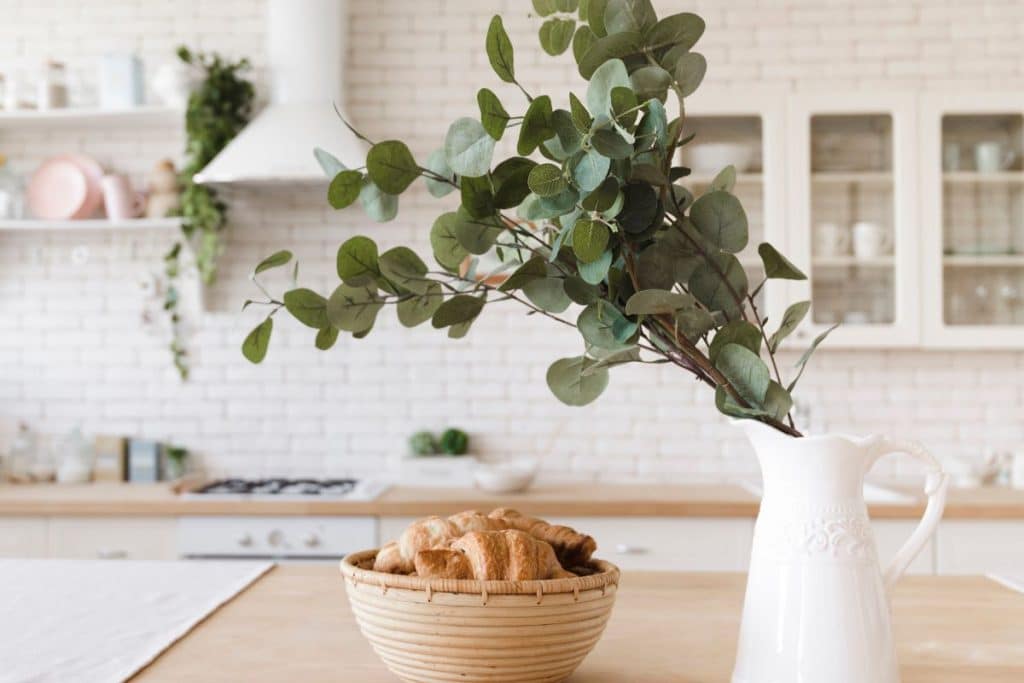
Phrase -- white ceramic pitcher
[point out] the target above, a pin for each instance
(817, 607)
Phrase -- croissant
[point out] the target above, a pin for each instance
(432, 532)
(508, 555)
(573, 549)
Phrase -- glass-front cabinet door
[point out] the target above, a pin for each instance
(852, 217)
(746, 132)
(973, 219)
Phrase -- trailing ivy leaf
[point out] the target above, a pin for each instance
(477, 197)
(589, 170)
(690, 70)
(534, 269)
(325, 338)
(582, 42)
(571, 386)
(328, 162)
(344, 189)
(438, 164)
(476, 235)
(392, 166)
(500, 52)
(651, 82)
(448, 252)
(623, 16)
(353, 309)
(610, 75)
(715, 291)
(680, 31)
(254, 348)
(468, 148)
(308, 307)
(461, 308)
(736, 332)
(791, 319)
(596, 271)
(547, 180)
(556, 35)
(275, 260)
(658, 302)
(640, 208)
(357, 261)
(580, 292)
(418, 309)
(610, 144)
(510, 179)
(618, 46)
(745, 371)
(725, 180)
(802, 363)
(589, 239)
(777, 266)
(536, 126)
(492, 113)
(545, 7)
(603, 326)
(720, 218)
(404, 268)
(378, 205)
(548, 294)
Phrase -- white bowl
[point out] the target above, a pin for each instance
(712, 157)
(505, 477)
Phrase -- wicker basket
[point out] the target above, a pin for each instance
(433, 630)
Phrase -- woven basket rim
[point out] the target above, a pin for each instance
(607, 575)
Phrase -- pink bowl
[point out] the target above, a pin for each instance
(65, 187)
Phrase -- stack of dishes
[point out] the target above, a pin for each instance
(66, 187)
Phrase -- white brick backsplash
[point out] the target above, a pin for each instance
(71, 348)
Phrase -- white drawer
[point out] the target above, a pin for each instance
(980, 547)
(891, 534)
(321, 537)
(133, 538)
(23, 537)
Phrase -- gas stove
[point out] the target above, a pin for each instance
(291, 489)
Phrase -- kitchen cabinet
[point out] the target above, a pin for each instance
(980, 547)
(113, 538)
(23, 537)
(891, 534)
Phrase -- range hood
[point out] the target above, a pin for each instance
(306, 52)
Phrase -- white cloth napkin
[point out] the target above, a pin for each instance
(101, 621)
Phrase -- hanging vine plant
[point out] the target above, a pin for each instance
(218, 109)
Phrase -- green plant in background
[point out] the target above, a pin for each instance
(454, 442)
(604, 221)
(423, 443)
(217, 111)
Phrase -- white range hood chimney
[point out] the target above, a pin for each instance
(306, 49)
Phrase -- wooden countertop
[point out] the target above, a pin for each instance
(553, 500)
(295, 625)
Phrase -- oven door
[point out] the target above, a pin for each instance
(283, 539)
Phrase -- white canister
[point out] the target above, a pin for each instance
(870, 240)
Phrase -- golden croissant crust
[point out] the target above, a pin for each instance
(508, 555)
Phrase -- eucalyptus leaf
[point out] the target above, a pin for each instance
(653, 129)
(613, 359)
(777, 401)
(602, 325)
(777, 266)
(581, 118)
(725, 180)
(461, 308)
(477, 197)
(547, 180)
(596, 271)
(718, 282)
(651, 82)
(658, 302)
(610, 75)
(404, 268)
(569, 137)
(618, 46)
(595, 17)
(308, 307)
(255, 346)
(589, 170)
(589, 239)
(344, 189)
(500, 52)
(325, 338)
(582, 41)
(556, 35)
(610, 144)
(536, 126)
(791, 319)
(801, 364)
(720, 218)
(476, 235)
(640, 208)
(745, 371)
(468, 148)
(680, 31)
(328, 163)
(437, 163)
(602, 198)
(444, 242)
(548, 294)
(622, 16)
(581, 292)
(357, 261)
(728, 406)
(418, 309)
(694, 322)
(545, 7)
(391, 166)
(353, 309)
(690, 70)
(571, 386)
(378, 205)
(736, 332)
(534, 269)
(493, 115)
(510, 179)
(275, 260)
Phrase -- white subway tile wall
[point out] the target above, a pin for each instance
(73, 350)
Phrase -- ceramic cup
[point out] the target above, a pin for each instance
(951, 156)
(831, 239)
(990, 157)
(121, 201)
(870, 240)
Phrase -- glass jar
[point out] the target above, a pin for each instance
(53, 87)
(75, 459)
(12, 192)
(22, 456)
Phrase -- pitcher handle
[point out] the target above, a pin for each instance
(935, 487)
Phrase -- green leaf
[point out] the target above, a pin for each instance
(492, 113)
(275, 260)
(379, 206)
(777, 402)
(353, 309)
(545, 7)
(595, 272)
(254, 348)
(728, 406)
(595, 16)
(610, 144)
(536, 126)
(326, 337)
(556, 35)
(617, 46)
(715, 291)
(418, 309)
(308, 307)
(392, 166)
(511, 182)
(468, 148)
(777, 266)
(690, 70)
(658, 302)
(476, 235)
(581, 118)
(649, 174)
(720, 218)
(477, 197)
(694, 322)
(589, 239)
(791, 319)
(582, 42)
(461, 308)
(653, 130)
(603, 197)
(547, 180)
(610, 75)
(581, 292)
(438, 164)
(622, 16)
(613, 359)
(603, 326)
(745, 371)
(680, 31)
(448, 252)
(640, 208)
(344, 189)
(736, 332)
(534, 269)
(548, 294)
(651, 82)
(569, 138)
(500, 52)
(725, 180)
(357, 261)
(567, 6)
(802, 363)
(404, 268)
(590, 170)
(570, 386)
(328, 162)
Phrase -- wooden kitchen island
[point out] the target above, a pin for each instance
(294, 624)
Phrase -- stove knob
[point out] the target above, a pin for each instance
(311, 540)
(245, 540)
(275, 538)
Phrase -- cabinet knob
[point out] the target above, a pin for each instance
(245, 540)
(311, 540)
(624, 549)
(111, 554)
(275, 538)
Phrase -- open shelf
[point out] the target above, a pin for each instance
(976, 177)
(742, 178)
(90, 117)
(851, 177)
(27, 224)
(852, 262)
(984, 260)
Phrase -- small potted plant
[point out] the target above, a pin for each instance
(437, 459)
